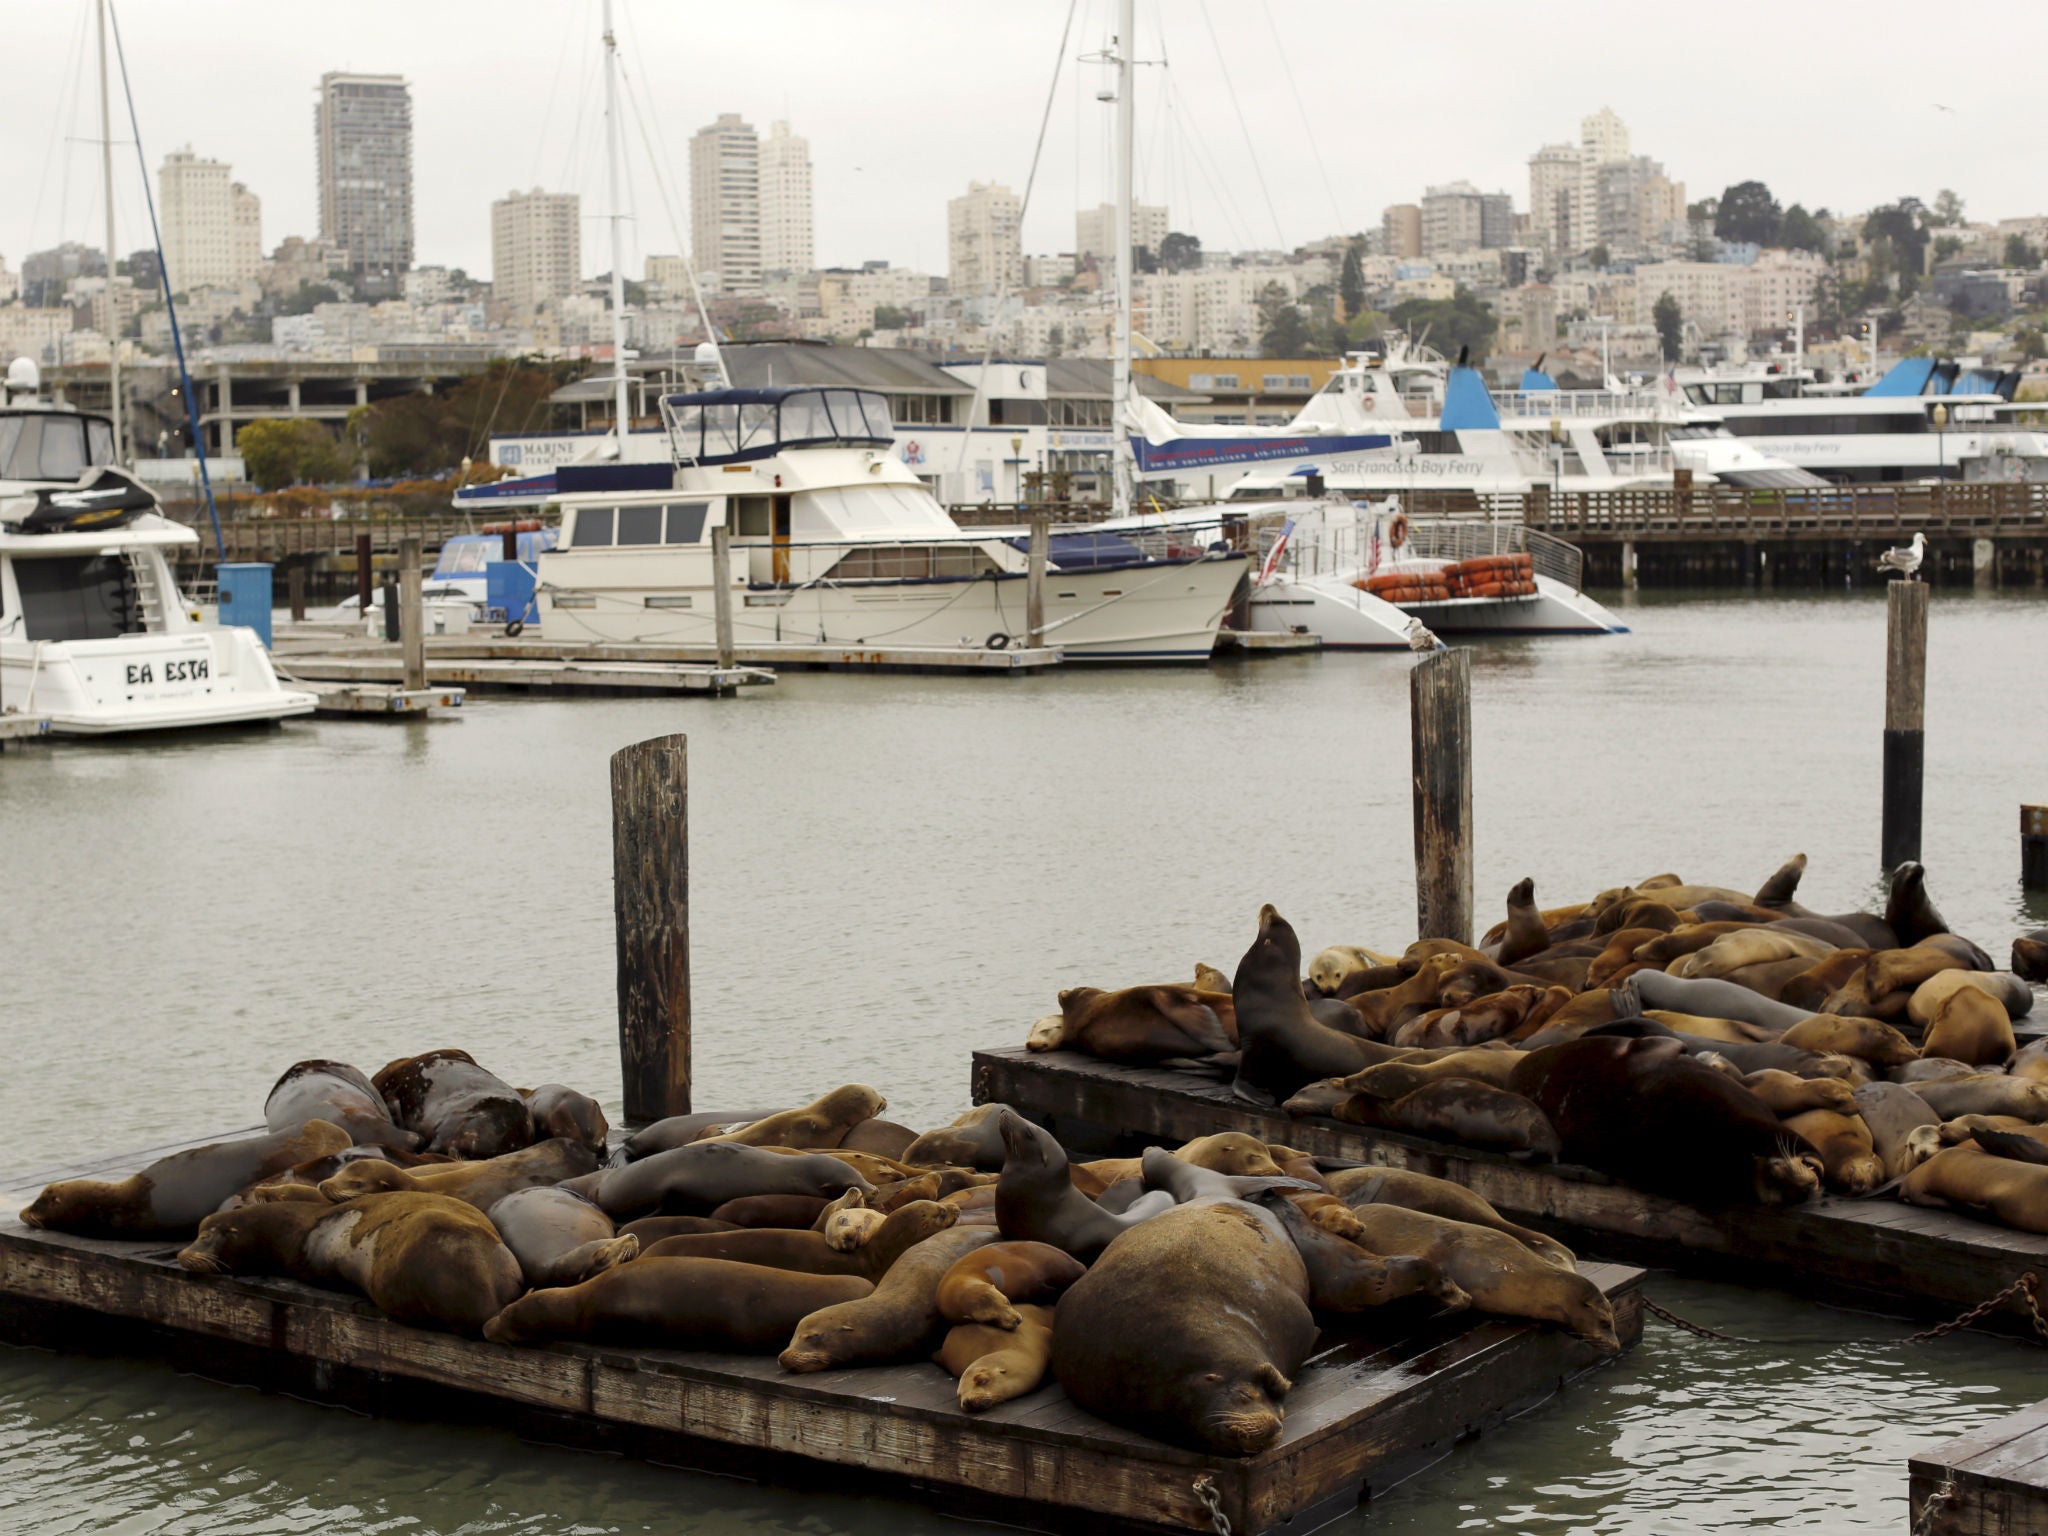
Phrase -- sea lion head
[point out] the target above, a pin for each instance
(1272, 966)
(1921, 1143)
(1787, 1178)
(1859, 1175)
(1049, 1033)
(1024, 1144)
(67, 1203)
(2030, 956)
(365, 1176)
(250, 1238)
(1239, 1412)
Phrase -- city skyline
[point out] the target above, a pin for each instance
(883, 176)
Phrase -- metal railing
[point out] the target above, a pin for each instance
(1346, 548)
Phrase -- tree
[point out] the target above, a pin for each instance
(1461, 321)
(1144, 260)
(278, 453)
(429, 434)
(1898, 236)
(1703, 211)
(1948, 208)
(1801, 231)
(1599, 256)
(888, 317)
(1179, 252)
(2020, 254)
(308, 294)
(1283, 328)
(1670, 327)
(1945, 246)
(1351, 281)
(2032, 344)
(1748, 212)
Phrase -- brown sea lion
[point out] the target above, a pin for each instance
(1189, 1327)
(1321, 1099)
(1281, 1047)
(681, 1130)
(423, 1259)
(2030, 956)
(1735, 1031)
(1785, 1094)
(559, 1238)
(848, 1222)
(2015, 995)
(1967, 1177)
(797, 1211)
(706, 1174)
(677, 1304)
(1588, 1010)
(1619, 958)
(460, 1108)
(1463, 1112)
(997, 1364)
(1812, 987)
(1384, 1010)
(2030, 1061)
(1394, 1079)
(1969, 1025)
(981, 1285)
(171, 1196)
(652, 1229)
(1526, 933)
(1440, 1197)
(900, 1318)
(1845, 1147)
(1904, 1132)
(1035, 1199)
(1344, 1277)
(973, 1140)
(936, 1184)
(818, 1126)
(338, 1093)
(482, 1183)
(882, 1138)
(1231, 1152)
(1902, 970)
(1986, 1093)
(562, 1111)
(1870, 1040)
(1639, 912)
(1746, 947)
(811, 1252)
(1493, 1017)
(1145, 1026)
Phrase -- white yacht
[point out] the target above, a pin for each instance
(835, 542)
(92, 633)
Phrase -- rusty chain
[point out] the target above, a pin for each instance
(2028, 1286)
(1205, 1490)
(1924, 1523)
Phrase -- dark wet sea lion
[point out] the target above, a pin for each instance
(483, 1183)
(798, 1211)
(1189, 1327)
(1035, 1198)
(1986, 1093)
(562, 1111)
(974, 1140)
(982, 1286)
(706, 1174)
(171, 1196)
(1746, 1056)
(901, 1316)
(1526, 934)
(652, 1229)
(458, 1106)
(677, 1304)
(1343, 1277)
(812, 1252)
(2030, 956)
(423, 1259)
(1439, 1197)
(1186, 1181)
(1707, 997)
(341, 1095)
(1282, 1047)
(1645, 1112)
(1909, 911)
(559, 1238)
(681, 1130)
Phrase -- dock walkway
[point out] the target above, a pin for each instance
(1991, 1483)
(1879, 1253)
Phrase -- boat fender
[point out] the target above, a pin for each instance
(514, 628)
(999, 641)
(1397, 530)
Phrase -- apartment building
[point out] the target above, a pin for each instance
(536, 248)
(787, 243)
(725, 205)
(212, 224)
(984, 248)
(363, 131)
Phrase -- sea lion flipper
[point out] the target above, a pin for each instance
(1784, 885)
(2021, 1149)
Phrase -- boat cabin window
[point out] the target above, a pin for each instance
(640, 525)
(52, 446)
(753, 516)
(76, 597)
(756, 423)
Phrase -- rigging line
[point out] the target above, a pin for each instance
(575, 134)
(988, 352)
(59, 143)
(661, 186)
(562, 57)
(1230, 88)
(1205, 162)
(1307, 129)
(164, 277)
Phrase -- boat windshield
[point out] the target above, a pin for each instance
(52, 445)
(738, 424)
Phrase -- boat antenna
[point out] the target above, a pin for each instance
(611, 141)
(220, 547)
(1120, 366)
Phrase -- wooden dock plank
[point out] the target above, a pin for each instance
(1990, 1483)
(1879, 1252)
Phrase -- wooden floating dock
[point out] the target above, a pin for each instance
(20, 727)
(1366, 1411)
(1991, 1483)
(445, 653)
(379, 700)
(1879, 1253)
(1264, 642)
(526, 674)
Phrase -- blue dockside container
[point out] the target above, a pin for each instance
(508, 589)
(245, 594)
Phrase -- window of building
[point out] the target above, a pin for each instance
(1016, 413)
(1201, 381)
(1298, 381)
(1273, 381)
(1226, 381)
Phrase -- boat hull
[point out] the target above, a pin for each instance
(188, 680)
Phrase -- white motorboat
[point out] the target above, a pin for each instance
(92, 632)
(836, 543)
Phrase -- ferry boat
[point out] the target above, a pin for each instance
(835, 542)
(92, 633)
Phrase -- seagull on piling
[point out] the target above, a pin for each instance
(1422, 638)
(1906, 558)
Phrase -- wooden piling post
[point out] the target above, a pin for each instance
(295, 586)
(509, 550)
(391, 630)
(1440, 737)
(1034, 581)
(363, 582)
(651, 916)
(1905, 716)
(721, 591)
(412, 630)
(2034, 847)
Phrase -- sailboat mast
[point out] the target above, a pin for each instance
(107, 179)
(1126, 277)
(611, 136)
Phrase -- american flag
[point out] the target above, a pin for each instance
(1273, 554)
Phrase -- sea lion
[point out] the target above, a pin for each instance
(1344, 1277)
(798, 1211)
(677, 1304)
(1785, 1094)
(1035, 1199)
(1747, 1056)
(1281, 1046)
(1499, 1274)
(1734, 1031)
(1969, 1127)
(1439, 1197)
(2030, 956)
(1184, 1181)
(938, 1184)
(1745, 947)
(2030, 1061)
(1588, 1010)
(1638, 912)
(335, 1092)
(899, 1318)
(1903, 1130)
(652, 1229)
(1812, 987)
(1330, 969)
(1385, 1010)
(1209, 979)
(1230, 1152)
(1527, 934)
(1492, 1017)
(997, 1364)
(455, 1104)
(1869, 1040)
(171, 1196)
(848, 1222)
(1645, 1112)
(1145, 1026)
(1909, 912)
(973, 1140)
(423, 1259)
(559, 1238)
(482, 1183)
(818, 1126)
(812, 1252)
(1464, 1112)
(1189, 1328)
(1967, 1177)
(981, 1285)
(1394, 1079)
(1987, 1093)
(561, 1111)
(2014, 995)
(1903, 970)
(1709, 998)
(1846, 1151)
(707, 1174)
(882, 1138)
(1969, 1025)
(680, 1130)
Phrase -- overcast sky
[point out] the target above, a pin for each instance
(1328, 111)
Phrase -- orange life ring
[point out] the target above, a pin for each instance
(1397, 530)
